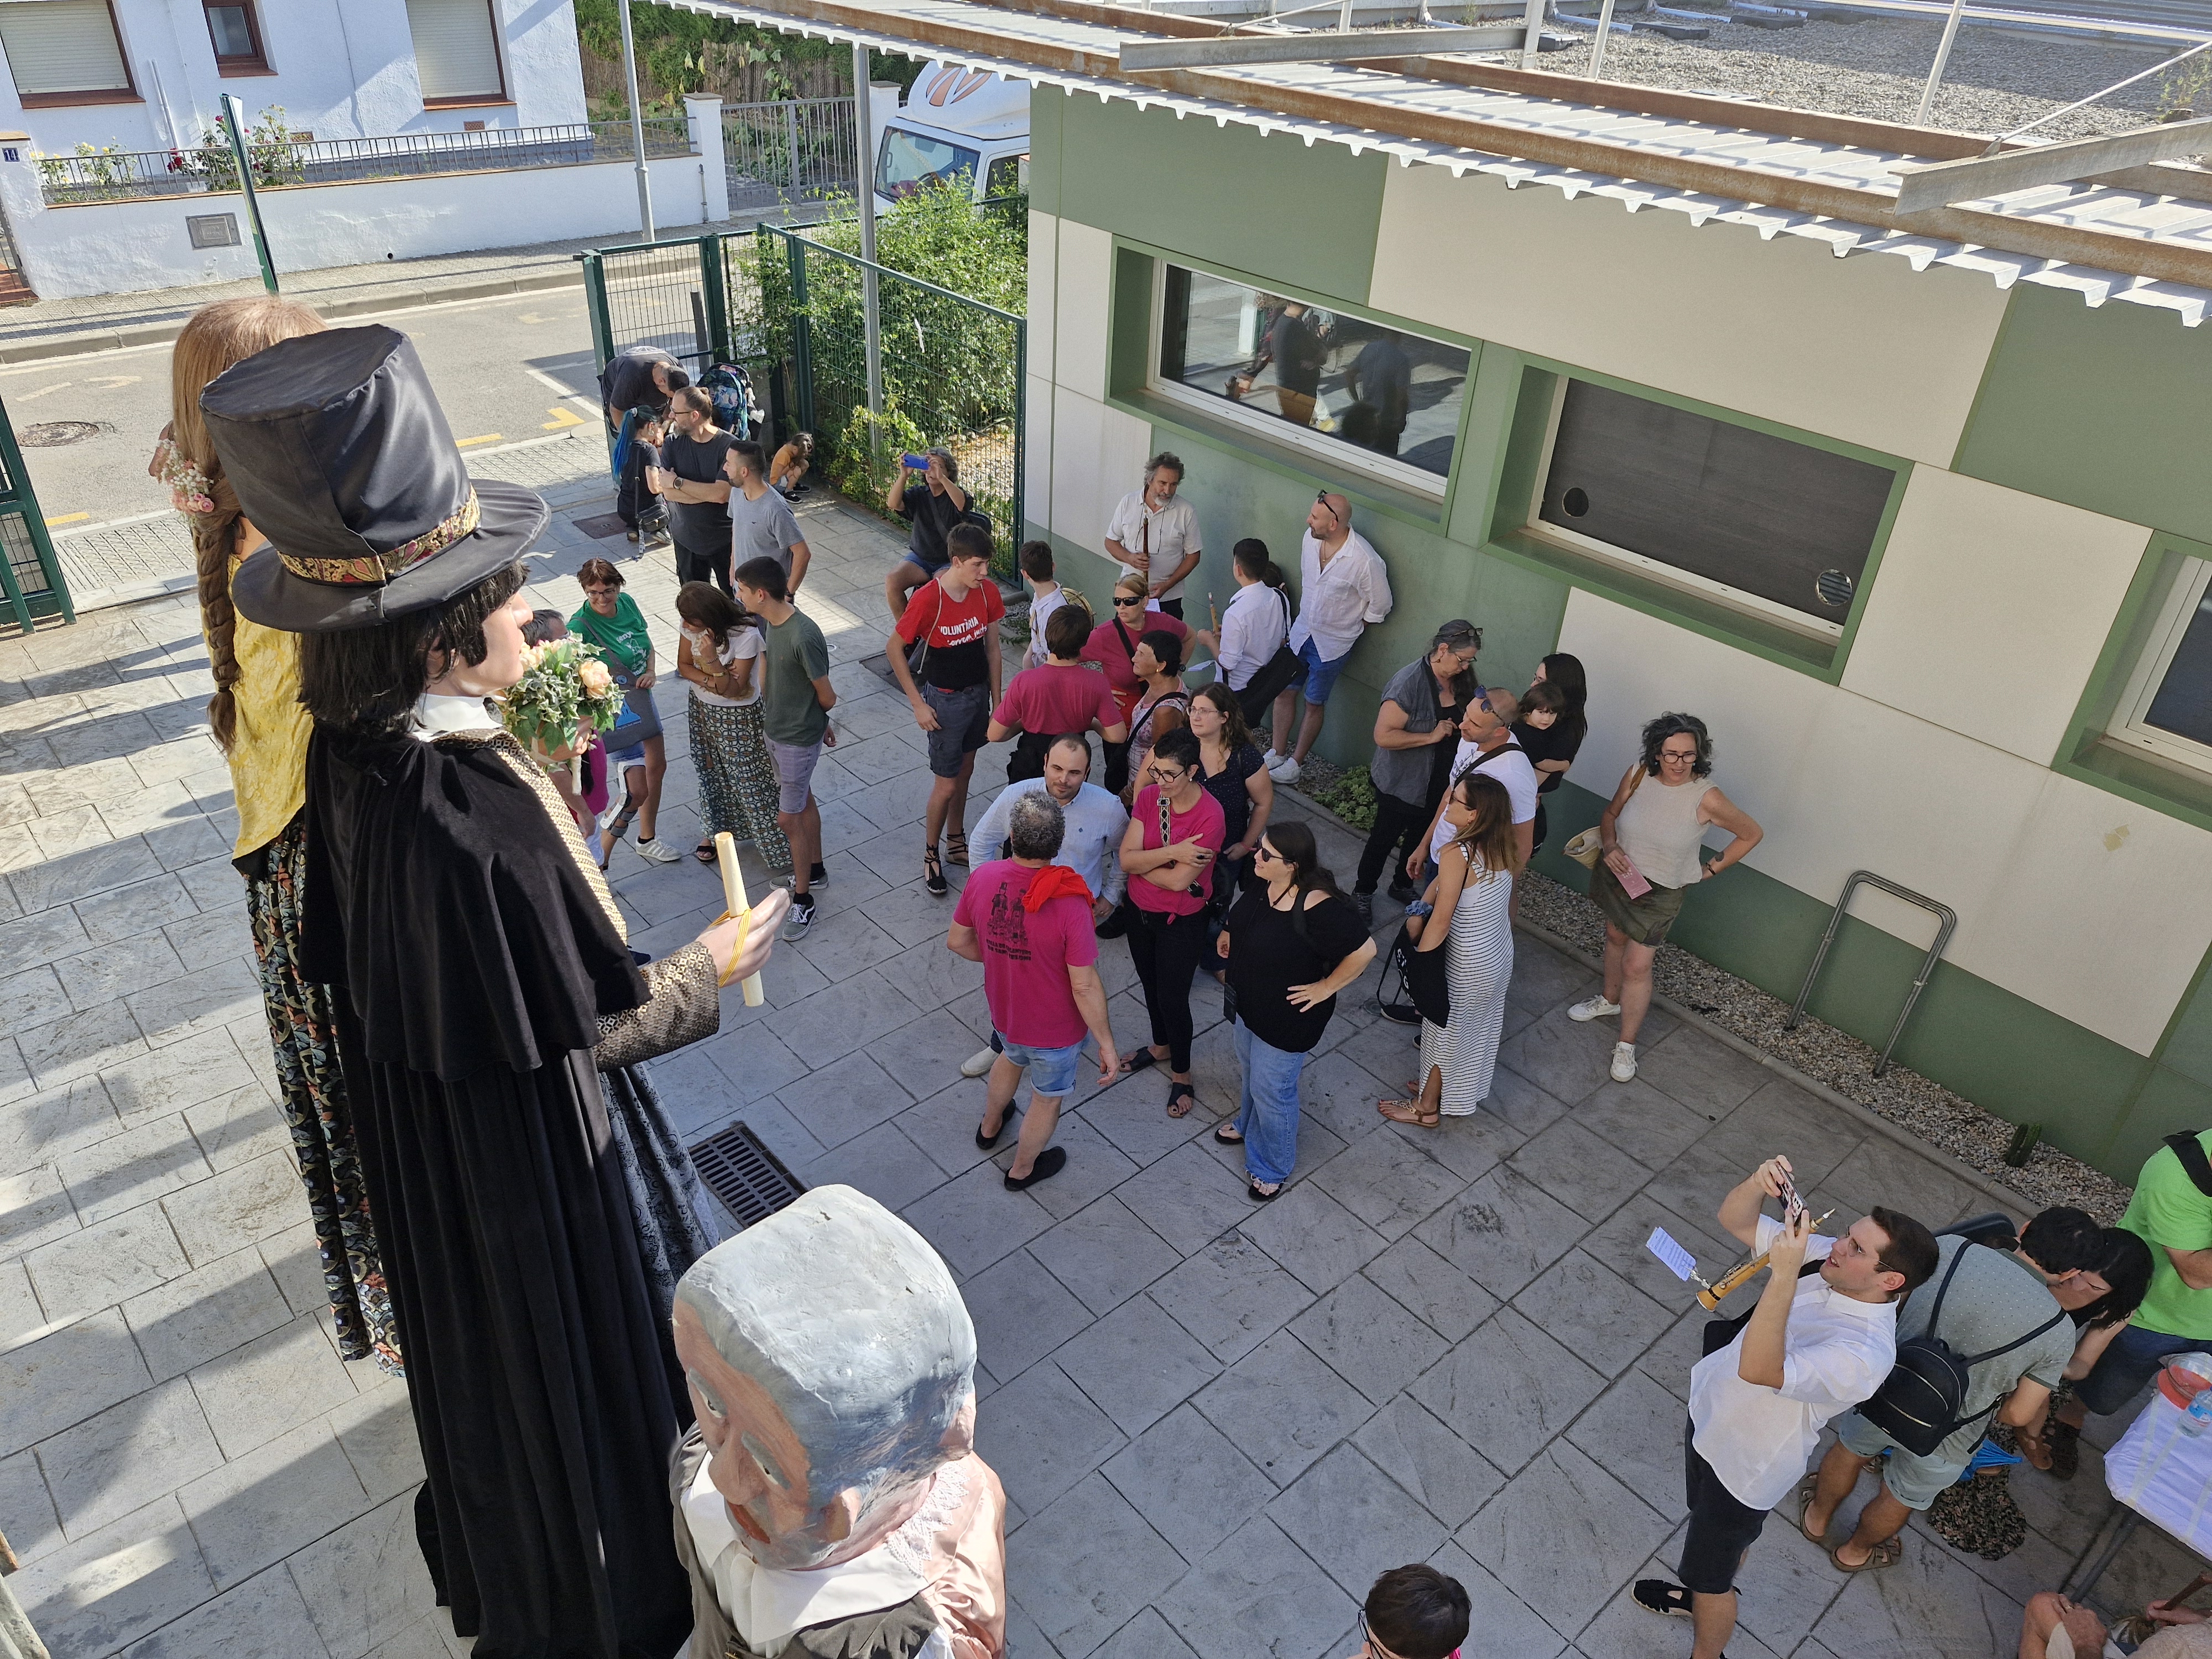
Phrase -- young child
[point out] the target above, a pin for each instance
(1416, 1613)
(1046, 596)
(1550, 747)
(648, 431)
(788, 471)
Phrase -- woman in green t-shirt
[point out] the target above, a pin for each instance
(610, 620)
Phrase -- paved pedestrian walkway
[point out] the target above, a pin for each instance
(1215, 1422)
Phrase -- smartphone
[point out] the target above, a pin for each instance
(914, 463)
(1791, 1203)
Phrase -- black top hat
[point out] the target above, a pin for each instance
(342, 458)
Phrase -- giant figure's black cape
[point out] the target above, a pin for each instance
(474, 960)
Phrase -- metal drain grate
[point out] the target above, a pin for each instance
(739, 1170)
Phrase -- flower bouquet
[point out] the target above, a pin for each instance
(565, 696)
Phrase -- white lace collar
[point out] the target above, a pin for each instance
(438, 717)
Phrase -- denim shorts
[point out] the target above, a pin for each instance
(1321, 676)
(963, 719)
(1052, 1071)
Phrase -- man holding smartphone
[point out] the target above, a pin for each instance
(926, 492)
(1818, 1342)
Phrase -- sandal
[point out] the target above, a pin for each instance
(2063, 1441)
(955, 848)
(1806, 1488)
(1886, 1554)
(933, 874)
(1227, 1135)
(1184, 1093)
(704, 853)
(1139, 1061)
(1409, 1111)
(1260, 1194)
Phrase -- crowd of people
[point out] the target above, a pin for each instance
(451, 989)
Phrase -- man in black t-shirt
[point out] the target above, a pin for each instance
(932, 502)
(1381, 377)
(1296, 346)
(640, 378)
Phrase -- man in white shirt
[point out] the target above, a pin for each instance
(1343, 590)
(1817, 1343)
(1246, 636)
(1486, 746)
(1153, 530)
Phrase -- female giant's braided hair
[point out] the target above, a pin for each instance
(218, 335)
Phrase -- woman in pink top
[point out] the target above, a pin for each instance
(1167, 852)
(1113, 646)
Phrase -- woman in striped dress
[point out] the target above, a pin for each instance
(1468, 914)
(720, 655)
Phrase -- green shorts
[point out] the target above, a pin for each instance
(1646, 920)
(1913, 1480)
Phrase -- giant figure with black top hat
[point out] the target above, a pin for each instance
(484, 981)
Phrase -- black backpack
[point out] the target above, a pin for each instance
(1917, 1406)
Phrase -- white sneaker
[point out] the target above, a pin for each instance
(1597, 1008)
(1271, 760)
(658, 851)
(1284, 771)
(1624, 1061)
(979, 1062)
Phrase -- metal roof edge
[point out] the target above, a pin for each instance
(2096, 285)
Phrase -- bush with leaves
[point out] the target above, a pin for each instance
(1352, 797)
(680, 51)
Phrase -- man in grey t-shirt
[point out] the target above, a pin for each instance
(1997, 1297)
(760, 522)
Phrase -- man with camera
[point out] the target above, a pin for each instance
(1822, 1339)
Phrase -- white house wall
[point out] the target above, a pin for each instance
(1865, 350)
(1082, 285)
(2043, 583)
(125, 247)
(342, 68)
(2067, 895)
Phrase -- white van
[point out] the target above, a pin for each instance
(956, 122)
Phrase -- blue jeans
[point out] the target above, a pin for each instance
(1268, 1110)
(2135, 1356)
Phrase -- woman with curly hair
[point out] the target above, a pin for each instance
(1651, 831)
(257, 721)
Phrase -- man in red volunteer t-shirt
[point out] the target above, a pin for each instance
(1061, 696)
(955, 619)
(1028, 922)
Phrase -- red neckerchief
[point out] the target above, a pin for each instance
(1052, 882)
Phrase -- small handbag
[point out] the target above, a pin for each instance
(1273, 676)
(1587, 846)
(1425, 974)
(640, 719)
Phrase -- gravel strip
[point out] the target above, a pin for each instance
(1926, 1109)
(1997, 79)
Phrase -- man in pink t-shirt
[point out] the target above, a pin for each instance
(1060, 697)
(1028, 922)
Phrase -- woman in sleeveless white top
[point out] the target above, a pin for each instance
(1654, 827)
(1472, 895)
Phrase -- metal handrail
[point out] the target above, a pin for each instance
(1944, 913)
(210, 169)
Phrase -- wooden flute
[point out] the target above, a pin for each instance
(1712, 1295)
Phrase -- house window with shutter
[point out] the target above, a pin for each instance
(457, 52)
(65, 52)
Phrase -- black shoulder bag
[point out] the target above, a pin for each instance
(1918, 1404)
(1268, 681)
(2191, 1151)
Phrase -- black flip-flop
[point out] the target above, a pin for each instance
(1252, 1191)
(1227, 1135)
(1006, 1124)
(1180, 1092)
(1050, 1162)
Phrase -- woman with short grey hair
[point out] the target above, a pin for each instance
(1650, 837)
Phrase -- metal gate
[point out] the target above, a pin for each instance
(30, 577)
(15, 288)
(788, 153)
(789, 309)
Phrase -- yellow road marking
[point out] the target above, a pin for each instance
(67, 518)
(562, 417)
(467, 443)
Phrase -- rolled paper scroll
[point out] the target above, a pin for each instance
(733, 896)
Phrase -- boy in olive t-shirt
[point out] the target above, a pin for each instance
(2174, 1215)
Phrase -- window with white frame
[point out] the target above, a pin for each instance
(457, 51)
(1764, 524)
(2166, 709)
(64, 51)
(1347, 388)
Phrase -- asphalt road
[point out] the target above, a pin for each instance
(505, 369)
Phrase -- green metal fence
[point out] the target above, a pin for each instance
(789, 309)
(953, 372)
(30, 576)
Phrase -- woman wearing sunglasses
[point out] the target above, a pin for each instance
(1113, 646)
(1292, 945)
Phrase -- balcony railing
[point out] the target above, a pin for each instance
(212, 169)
